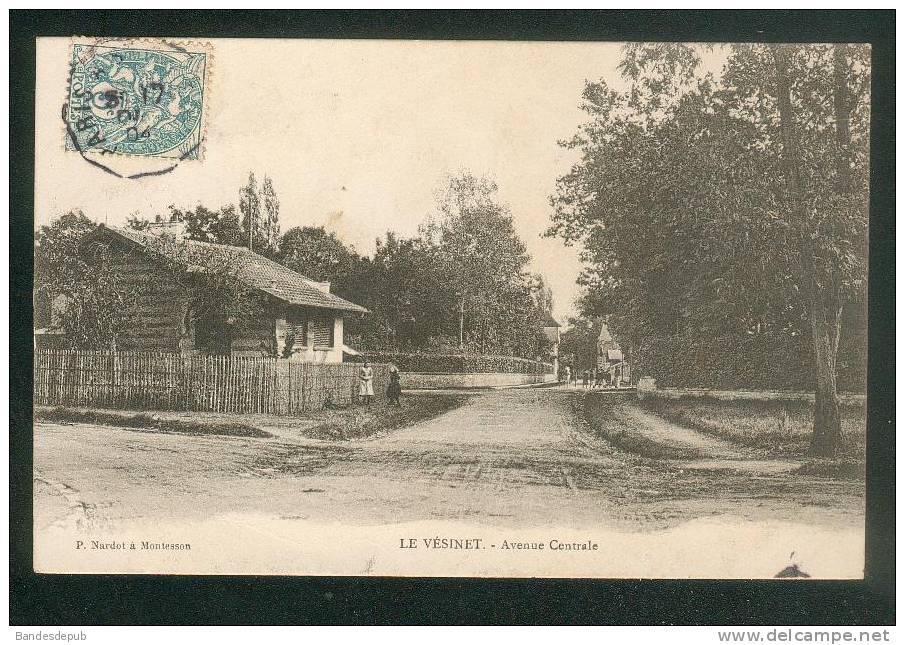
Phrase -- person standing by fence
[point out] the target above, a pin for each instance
(366, 382)
(394, 387)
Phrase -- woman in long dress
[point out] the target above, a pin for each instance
(394, 387)
(366, 382)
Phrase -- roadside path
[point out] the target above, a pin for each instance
(667, 433)
(715, 453)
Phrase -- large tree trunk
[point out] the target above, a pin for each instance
(842, 108)
(823, 306)
(826, 311)
(827, 422)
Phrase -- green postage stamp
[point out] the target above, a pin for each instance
(141, 99)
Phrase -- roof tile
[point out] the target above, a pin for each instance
(254, 270)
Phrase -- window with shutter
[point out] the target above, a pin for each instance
(322, 331)
(297, 325)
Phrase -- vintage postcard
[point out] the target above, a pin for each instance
(450, 308)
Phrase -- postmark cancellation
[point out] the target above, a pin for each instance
(143, 99)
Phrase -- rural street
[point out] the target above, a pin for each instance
(516, 461)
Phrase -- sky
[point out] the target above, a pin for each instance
(357, 136)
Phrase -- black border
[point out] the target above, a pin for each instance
(182, 600)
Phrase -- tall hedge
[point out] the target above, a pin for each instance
(426, 363)
(757, 362)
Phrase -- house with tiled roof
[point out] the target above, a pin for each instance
(609, 355)
(290, 315)
(607, 349)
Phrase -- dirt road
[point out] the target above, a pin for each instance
(516, 460)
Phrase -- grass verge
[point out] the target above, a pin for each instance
(597, 412)
(782, 428)
(363, 422)
(149, 422)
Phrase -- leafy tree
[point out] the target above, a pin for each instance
(477, 250)
(516, 320)
(91, 304)
(205, 225)
(320, 255)
(409, 301)
(399, 285)
(260, 216)
(270, 224)
(250, 208)
(824, 155)
(737, 204)
(542, 295)
(413, 306)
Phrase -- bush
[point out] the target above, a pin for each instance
(759, 362)
(460, 363)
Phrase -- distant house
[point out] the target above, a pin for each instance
(291, 315)
(607, 349)
(609, 354)
(551, 331)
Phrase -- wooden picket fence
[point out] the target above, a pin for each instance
(162, 381)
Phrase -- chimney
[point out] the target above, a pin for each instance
(169, 229)
(323, 287)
